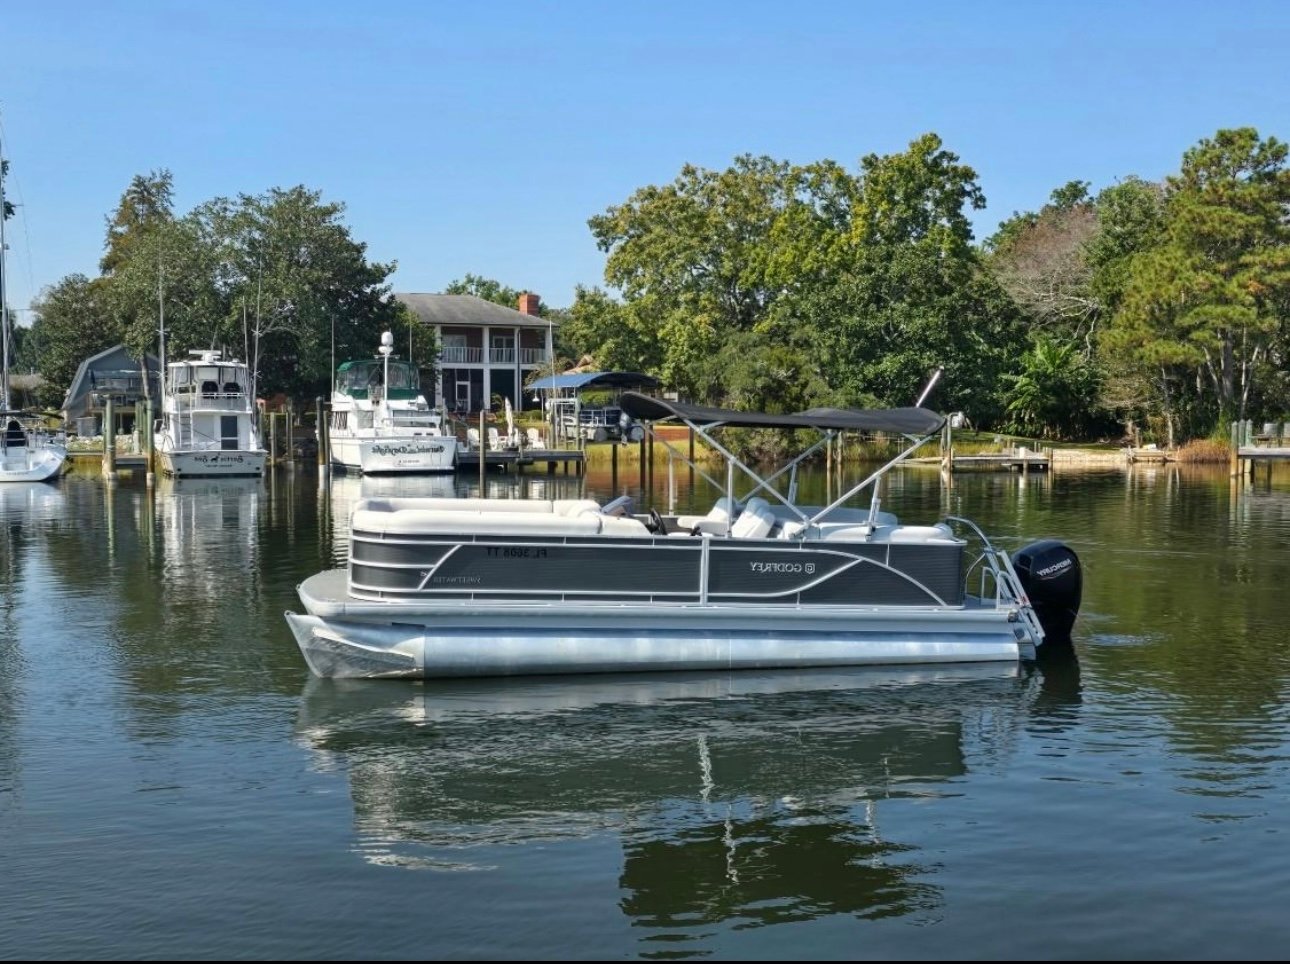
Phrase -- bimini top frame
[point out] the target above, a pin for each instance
(917, 425)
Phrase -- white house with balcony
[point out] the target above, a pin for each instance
(487, 350)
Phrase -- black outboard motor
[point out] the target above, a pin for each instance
(1051, 576)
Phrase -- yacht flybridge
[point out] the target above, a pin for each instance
(208, 425)
(474, 587)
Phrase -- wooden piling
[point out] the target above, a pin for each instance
(109, 438)
(320, 433)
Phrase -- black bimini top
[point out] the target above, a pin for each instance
(900, 421)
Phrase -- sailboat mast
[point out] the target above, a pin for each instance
(4, 301)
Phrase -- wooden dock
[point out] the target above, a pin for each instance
(508, 460)
(1019, 461)
(1251, 449)
(1148, 455)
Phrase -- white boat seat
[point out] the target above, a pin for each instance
(755, 522)
(620, 506)
(573, 507)
(397, 503)
(935, 533)
(419, 516)
(438, 522)
(714, 522)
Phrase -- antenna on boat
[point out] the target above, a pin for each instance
(161, 316)
(387, 348)
(936, 375)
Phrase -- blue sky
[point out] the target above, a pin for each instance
(480, 137)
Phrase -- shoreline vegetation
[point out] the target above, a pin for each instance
(1147, 310)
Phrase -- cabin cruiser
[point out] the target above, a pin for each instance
(380, 420)
(208, 425)
(475, 587)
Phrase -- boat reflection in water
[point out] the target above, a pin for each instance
(753, 798)
(208, 526)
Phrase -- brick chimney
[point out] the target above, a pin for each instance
(529, 303)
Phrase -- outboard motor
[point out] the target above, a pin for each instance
(1051, 576)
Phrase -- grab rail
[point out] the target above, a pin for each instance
(1007, 585)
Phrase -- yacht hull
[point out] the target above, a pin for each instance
(408, 455)
(343, 637)
(34, 464)
(213, 463)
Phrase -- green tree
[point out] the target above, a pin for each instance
(72, 323)
(1211, 298)
(289, 266)
(490, 290)
(1054, 394)
(145, 204)
(174, 264)
(870, 280)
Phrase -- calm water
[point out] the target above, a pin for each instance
(172, 782)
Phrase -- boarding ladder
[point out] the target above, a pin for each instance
(1007, 585)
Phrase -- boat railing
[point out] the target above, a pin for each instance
(994, 567)
(211, 401)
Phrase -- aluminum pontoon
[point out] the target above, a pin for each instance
(475, 587)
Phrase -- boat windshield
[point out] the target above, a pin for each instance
(359, 379)
(421, 419)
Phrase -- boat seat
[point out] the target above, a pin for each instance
(934, 533)
(755, 522)
(210, 388)
(393, 516)
(714, 522)
(621, 506)
(398, 503)
(444, 522)
(574, 507)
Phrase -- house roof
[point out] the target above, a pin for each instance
(467, 310)
(80, 383)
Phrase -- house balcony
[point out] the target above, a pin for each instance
(458, 355)
(461, 355)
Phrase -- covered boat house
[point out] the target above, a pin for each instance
(572, 418)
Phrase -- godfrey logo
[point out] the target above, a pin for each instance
(807, 568)
(410, 448)
(1055, 568)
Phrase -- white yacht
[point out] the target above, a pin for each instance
(481, 587)
(27, 454)
(208, 425)
(380, 420)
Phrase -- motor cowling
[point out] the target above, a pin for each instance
(1051, 576)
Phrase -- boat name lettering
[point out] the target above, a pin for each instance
(781, 567)
(1055, 568)
(218, 459)
(412, 448)
(515, 552)
(455, 580)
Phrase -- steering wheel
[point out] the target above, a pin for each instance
(656, 522)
